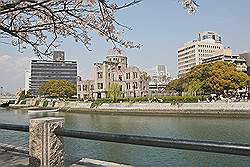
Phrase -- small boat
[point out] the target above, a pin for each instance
(42, 111)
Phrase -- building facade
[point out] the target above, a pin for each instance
(246, 56)
(159, 78)
(55, 69)
(85, 89)
(27, 80)
(226, 55)
(115, 69)
(192, 53)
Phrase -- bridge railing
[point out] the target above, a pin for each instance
(46, 142)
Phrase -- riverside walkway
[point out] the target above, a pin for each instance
(9, 159)
(15, 159)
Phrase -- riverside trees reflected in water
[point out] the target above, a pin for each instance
(219, 129)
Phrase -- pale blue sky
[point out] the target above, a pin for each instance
(161, 26)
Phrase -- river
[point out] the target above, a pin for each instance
(201, 128)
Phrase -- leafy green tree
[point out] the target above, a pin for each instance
(176, 85)
(28, 94)
(114, 91)
(58, 88)
(210, 78)
(20, 96)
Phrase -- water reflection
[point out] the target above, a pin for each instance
(221, 129)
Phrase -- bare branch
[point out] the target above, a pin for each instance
(42, 24)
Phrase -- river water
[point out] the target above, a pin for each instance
(219, 129)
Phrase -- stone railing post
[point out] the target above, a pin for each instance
(45, 148)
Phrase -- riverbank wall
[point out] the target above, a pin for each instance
(220, 106)
(223, 109)
(217, 109)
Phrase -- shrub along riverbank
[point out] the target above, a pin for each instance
(164, 99)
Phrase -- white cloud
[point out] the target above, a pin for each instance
(4, 58)
(12, 71)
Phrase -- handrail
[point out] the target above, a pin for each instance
(195, 145)
(23, 128)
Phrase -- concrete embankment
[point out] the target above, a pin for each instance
(218, 109)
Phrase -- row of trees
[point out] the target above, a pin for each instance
(210, 78)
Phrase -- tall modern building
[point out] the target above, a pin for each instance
(192, 53)
(159, 78)
(27, 78)
(55, 69)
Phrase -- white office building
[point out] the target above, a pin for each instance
(27, 78)
(192, 53)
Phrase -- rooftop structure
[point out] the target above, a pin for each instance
(58, 56)
(210, 35)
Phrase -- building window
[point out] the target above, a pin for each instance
(99, 75)
(127, 75)
(79, 87)
(84, 87)
(100, 85)
(135, 74)
(135, 85)
(120, 78)
(91, 87)
(128, 86)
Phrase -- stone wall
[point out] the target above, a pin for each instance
(239, 106)
(223, 106)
